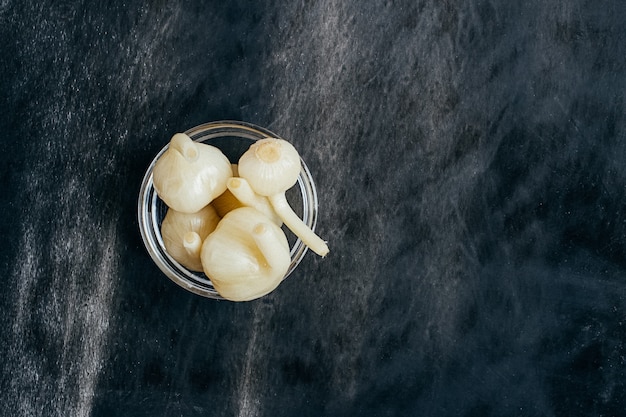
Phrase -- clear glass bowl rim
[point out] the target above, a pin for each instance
(148, 201)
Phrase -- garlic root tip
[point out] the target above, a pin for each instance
(259, 229)
(234, 182)
(268, 152)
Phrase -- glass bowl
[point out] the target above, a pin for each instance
(233, 138)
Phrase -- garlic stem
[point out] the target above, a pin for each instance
(266, 239)
(297, 226)
(242, 191)
(185, 146)
(192, 244)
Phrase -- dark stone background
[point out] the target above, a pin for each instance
(470, 158)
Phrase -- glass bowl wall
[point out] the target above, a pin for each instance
(233, 138)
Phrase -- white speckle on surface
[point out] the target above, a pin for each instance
(65, 286)
(248, 401)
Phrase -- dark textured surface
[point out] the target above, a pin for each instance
(470, 159)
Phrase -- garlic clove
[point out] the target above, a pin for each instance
(247, 255)
(271, 166)
(183, 234)
(225, 203)
(189, 175)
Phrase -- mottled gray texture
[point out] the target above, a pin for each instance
(470, 159)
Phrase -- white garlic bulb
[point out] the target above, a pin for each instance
(247, 255)
(189, 175)
(271, 166)
(183, 234)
